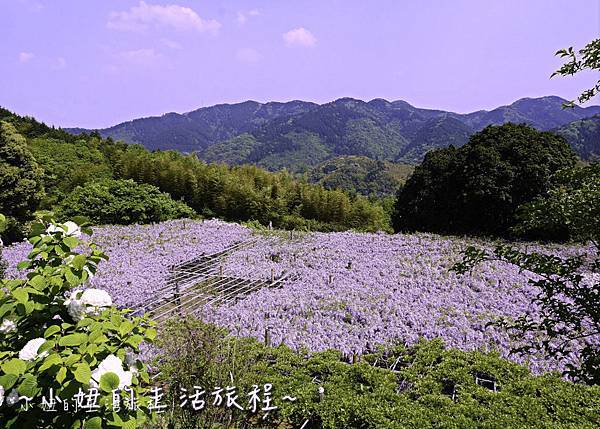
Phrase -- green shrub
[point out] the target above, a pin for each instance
(122, 202)
(431, 387)
(571, 210)
(58, 343)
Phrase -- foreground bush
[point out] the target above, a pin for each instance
(66, 355)
(431, 387)
(122, 202)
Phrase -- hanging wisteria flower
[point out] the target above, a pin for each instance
(8, 326)
(30, 351)
(12, 398)
(111, 364)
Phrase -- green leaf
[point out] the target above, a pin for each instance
(79, 261)
(8, 380)
(71, 278)
(14, 366)
(38, 282)
(130, 424)
(71, 359)
(61, 375)
(151, 334)
(135, 340)
(23, 265)
(48, 345)
(109, 382)
(93, 423)
(28, 386)
(51, 360)
(53, 329)
(125, 328)
(72, 242)
(83, 373)
(73, 340)
(21, 295)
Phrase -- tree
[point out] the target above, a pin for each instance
(21, 181)
(477, 188)
(568, 323)
(122, 202)
(570, 211)
(587, 58)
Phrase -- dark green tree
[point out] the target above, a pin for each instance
(121, 202)
(476, 189)
(21, 181)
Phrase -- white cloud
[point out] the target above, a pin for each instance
(300, 37)
(171, 44)
(59, 64)
(144, 16)
(142, 57)
(25, 57)
(242, 17)
(248, 55)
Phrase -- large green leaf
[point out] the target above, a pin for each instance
(83, 373)
(109, 382)
(14, 366)
(21, 295)
(28, 386)
(79, 261)
(93, 423)
(51, 330)
(8, 380)
(73, 340)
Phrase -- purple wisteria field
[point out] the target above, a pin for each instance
(348, 291)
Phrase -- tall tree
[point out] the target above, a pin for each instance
(21, 180)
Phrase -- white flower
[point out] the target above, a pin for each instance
(321, 390)
(1, 395)
(111, 364)
(12, 398)
(73, 229)
(131, 362)
(30, 351)
(8, 326)
(96, 298)
(91, 301)
(68, 228)
(76, 310)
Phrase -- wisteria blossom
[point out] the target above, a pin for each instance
(348, 291)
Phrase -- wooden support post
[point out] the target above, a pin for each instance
(267, 336)
(330, 280)
(272, 275)
(221, 270)
(291, 234)
(177, 298)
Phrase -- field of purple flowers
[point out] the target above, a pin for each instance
(348, 291)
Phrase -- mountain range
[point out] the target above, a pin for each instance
(300, 135)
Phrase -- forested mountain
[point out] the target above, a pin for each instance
(361, 174)
(298, 135)
(46, 168)
(583, 136)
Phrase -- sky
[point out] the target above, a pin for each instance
(96, 63)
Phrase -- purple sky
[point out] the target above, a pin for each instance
(98, 63)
